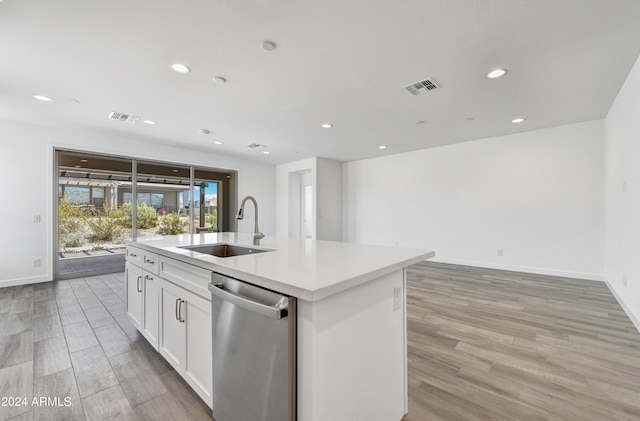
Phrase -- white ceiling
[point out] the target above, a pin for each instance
(338, 61)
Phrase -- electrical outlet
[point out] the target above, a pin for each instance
(500, 252)
(36, 219)
(624, 280)
(397, 298)
(37, 263)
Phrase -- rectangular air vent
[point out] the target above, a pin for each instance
(127, 118)
(422, 87)
(256, 146)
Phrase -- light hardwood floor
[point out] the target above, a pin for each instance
(483, 344)
(489, 344)
(72, 339)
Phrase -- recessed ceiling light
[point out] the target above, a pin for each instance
(494, 74)
(218, 142)
(268, 45)
(175, 170)
(220, 80)
(382, 147)
(266, 152)
(84, 160)
(327, 125)
(78, 166)
(517, 120)
(150, 122)
(43, 98)
(204, 132)
(180, 68)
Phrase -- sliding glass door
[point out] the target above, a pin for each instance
(102, 200)
(91, 220)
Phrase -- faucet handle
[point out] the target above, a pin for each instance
(258, 235)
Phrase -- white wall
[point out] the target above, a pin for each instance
(538, 196)
(622, 163)
(329, 205)
(26, 183)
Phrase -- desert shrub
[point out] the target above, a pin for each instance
(146, 216)
(71, 227)
(171, 224)
(212, 219)
(122, 214)
(106, 227)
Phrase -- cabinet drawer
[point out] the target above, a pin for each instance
(134, 256)
(150, 262)
(191, 277)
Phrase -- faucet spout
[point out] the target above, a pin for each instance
(257, 235)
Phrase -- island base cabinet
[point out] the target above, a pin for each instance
(185, 336)
(134, 294)
(151, 316)
(352, 358)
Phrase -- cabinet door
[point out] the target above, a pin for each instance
(172, 330)
(134, 294)
(151, 316)
(197, 368)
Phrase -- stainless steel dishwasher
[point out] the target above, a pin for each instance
(254, 352)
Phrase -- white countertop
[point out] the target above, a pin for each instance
(307, 269)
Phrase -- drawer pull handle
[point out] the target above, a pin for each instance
(151, 262)
(133, 255)
(138, 287)
(181, 319)
(177, 316)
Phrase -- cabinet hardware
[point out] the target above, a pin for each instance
(138, 287)
(177, 316)
(181, 320)
(133, 255)
(149, 261)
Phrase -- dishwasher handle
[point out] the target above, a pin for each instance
(276, 311)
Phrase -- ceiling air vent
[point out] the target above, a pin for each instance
(256, 146)
(422, 87)
(131, 119)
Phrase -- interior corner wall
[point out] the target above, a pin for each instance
(26, 180)
(537, 196)
(622, 195)
(329, 200)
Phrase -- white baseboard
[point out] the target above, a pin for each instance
(24, 281)
(627, 310)
(524, 269)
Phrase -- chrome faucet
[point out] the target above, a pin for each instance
(257, 235)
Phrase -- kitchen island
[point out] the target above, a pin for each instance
(351, 314)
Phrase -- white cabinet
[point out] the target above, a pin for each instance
(134, 294)
(185, 336)
(172, 339)
(169, 303)
(142, 293)
(151, 317)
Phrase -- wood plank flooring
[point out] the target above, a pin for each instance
(483, 344)
(489, 344)
(72, 339)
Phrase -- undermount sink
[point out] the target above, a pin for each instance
(224, 250)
